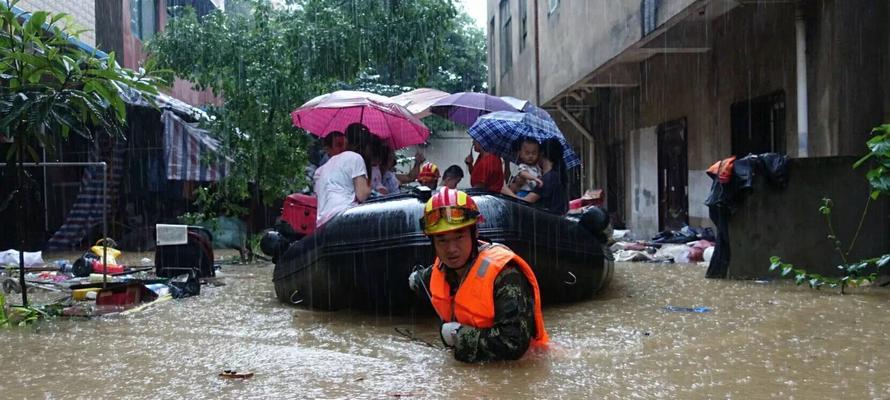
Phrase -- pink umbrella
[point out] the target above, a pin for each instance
(383, 117)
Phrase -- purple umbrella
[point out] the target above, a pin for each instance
(465, 107)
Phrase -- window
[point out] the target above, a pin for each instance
(143, 18)
(758, 125)
(523, 24)
(552, 4)
(506, 34)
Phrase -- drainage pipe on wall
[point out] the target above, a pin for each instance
(802, 100)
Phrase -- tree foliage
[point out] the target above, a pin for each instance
(266, 61)
(49, 86)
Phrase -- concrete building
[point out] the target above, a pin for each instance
(652, 92)
(122, 26)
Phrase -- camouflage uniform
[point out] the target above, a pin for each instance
(514, 318)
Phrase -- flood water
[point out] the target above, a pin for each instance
(761, 340)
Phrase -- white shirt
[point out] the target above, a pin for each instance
(334, 186)
(376, 178)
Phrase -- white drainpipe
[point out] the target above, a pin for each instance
(802, 101)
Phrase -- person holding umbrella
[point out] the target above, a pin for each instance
(487, 171)
(359, 114)
(551, 195)
(501, 132)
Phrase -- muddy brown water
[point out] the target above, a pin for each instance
(771, 340)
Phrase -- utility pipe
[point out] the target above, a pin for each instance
(802, 100)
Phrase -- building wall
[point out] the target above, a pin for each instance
(886, 63)
(642, 204)
(83, 12)
(787, 223)
(577, 38)
(753, 54)
(114, 34)
(518, 81)
(847, 51)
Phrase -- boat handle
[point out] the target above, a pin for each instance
(296, 292)
(574, 279)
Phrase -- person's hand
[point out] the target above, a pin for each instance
(414, 280)
(419, 158)
(469, 160)
(382, 190)
(449, 333)
(538, 183)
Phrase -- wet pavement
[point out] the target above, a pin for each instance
(771, 340)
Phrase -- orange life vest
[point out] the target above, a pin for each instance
(473, 304)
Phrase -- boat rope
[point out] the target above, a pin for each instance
(409, 334)
(418, 267)
(574, 279)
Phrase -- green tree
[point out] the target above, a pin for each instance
(265, 61)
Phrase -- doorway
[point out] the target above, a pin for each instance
(673, 176)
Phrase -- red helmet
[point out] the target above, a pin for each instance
(428, 171)
(449, 210)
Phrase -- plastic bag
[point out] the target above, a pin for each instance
(11, 257)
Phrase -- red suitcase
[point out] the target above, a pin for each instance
(299, 211)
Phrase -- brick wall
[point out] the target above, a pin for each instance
(83, 12)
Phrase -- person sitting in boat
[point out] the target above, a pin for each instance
(486, 295)
(390, 178)
(378, 154)
(552, 194)
(487, 172)
(428, 175)
(343, 180)
(334, 143)
(529, 176)
(452, 177)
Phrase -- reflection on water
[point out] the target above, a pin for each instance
(760, 341)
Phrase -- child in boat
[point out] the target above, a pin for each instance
(529, 176)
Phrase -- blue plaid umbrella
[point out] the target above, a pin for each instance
(497, 132)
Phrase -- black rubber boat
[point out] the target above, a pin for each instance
(361, 259)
